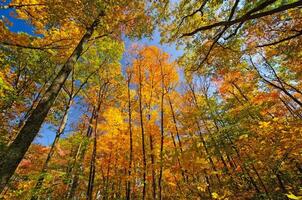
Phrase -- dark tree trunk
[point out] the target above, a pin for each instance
(161, 134)
(128, 186)
(101, 94)
(142, 133)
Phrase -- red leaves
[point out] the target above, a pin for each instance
(25, 164)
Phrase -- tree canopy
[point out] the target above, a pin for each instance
(130, 120)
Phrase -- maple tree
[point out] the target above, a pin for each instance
(221, 121)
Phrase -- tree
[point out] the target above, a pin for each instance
(17, 149)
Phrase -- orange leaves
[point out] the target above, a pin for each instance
(261, 98)
(153, 62)
(25, 163)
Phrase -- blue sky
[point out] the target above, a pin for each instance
(47, 131)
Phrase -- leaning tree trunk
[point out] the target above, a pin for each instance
(16, 151)
(60, 131)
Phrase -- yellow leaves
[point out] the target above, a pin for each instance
(4, 85)
(292, 196)
(219, 172)
(114, 121)
(202, 187)
(244, 136)
(264, 124)
(172, 184)
(221, 196)
(201, 161)
(215, 195)
(113, 116)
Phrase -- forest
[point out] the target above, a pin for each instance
(151, 99)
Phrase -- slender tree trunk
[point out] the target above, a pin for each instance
(175, 124)
(79, 158)
(128, 185)
(60, 131)
(107, 194)
(151, 143)
(179, 140)
(243, 165)
(89, 193)
(161, 133)
(207, 152)
(261, 181)
(201, 136)
(142, 133)
(152, 157)
(92, 170)
(208, 184)
(27, 134)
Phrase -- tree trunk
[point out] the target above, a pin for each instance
(60, 131)
(142, 133)
(151, 143)
(128, 185)
(92, 170)
(101, 94)
(29, 131)
(179, 141)
(78, 160)
(161, 134)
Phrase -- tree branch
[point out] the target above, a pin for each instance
(20, 6)
(245, 17)
(218, 36)
(282, 40)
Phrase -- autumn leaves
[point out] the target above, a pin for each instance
(229, 128)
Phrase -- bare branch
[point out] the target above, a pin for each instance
(245, 18)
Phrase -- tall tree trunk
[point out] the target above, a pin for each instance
(27, 134)
(207, 152)
(101, 94)
(261, 181)
(128, 185)
(161, 134)
(151, 143)
(152, 157)
(175, 124)
(179, 140)
(142, 133)
(60, 131)
(79, 158)
(89, 194)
